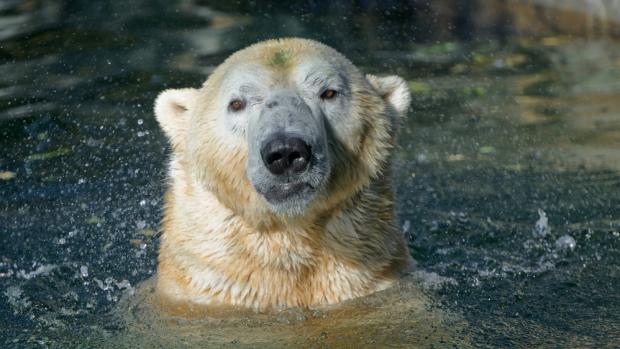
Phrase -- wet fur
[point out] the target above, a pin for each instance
(223, 244)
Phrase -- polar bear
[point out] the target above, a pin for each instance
(279, 181)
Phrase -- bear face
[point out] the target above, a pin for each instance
(280, 191)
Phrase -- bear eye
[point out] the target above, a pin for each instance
(236, 105)
(329, 94)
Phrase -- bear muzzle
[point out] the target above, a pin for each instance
(287, 157)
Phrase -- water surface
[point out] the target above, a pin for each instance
(508, 177)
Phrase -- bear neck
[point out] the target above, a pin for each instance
(214, 256)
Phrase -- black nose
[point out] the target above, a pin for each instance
(284, 154)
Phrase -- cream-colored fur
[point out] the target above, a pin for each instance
(221, 242)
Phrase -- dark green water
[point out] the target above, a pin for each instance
(503, 129)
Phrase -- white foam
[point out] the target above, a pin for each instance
(432, 280)
(41, 270)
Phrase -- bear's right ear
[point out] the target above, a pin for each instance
(172, 113)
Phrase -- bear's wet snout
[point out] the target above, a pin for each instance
(286, 155)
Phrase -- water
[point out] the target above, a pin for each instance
(508, 176)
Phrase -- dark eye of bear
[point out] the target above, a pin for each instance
(236, 105)
(329, 94)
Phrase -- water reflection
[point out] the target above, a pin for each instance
(401, 316)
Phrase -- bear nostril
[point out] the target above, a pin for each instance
(275, 163)
(293, 156)
(284, 154)
(298, 165)
(274, 157)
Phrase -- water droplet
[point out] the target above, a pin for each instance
(565, 243)
(84, 271)
(542, 224)
(406, 226)
(421, 158)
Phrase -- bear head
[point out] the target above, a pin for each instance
(284, 131)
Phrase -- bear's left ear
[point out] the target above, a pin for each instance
(172, 113)
(394, 90)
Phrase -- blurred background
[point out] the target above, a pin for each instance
(508, 172)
